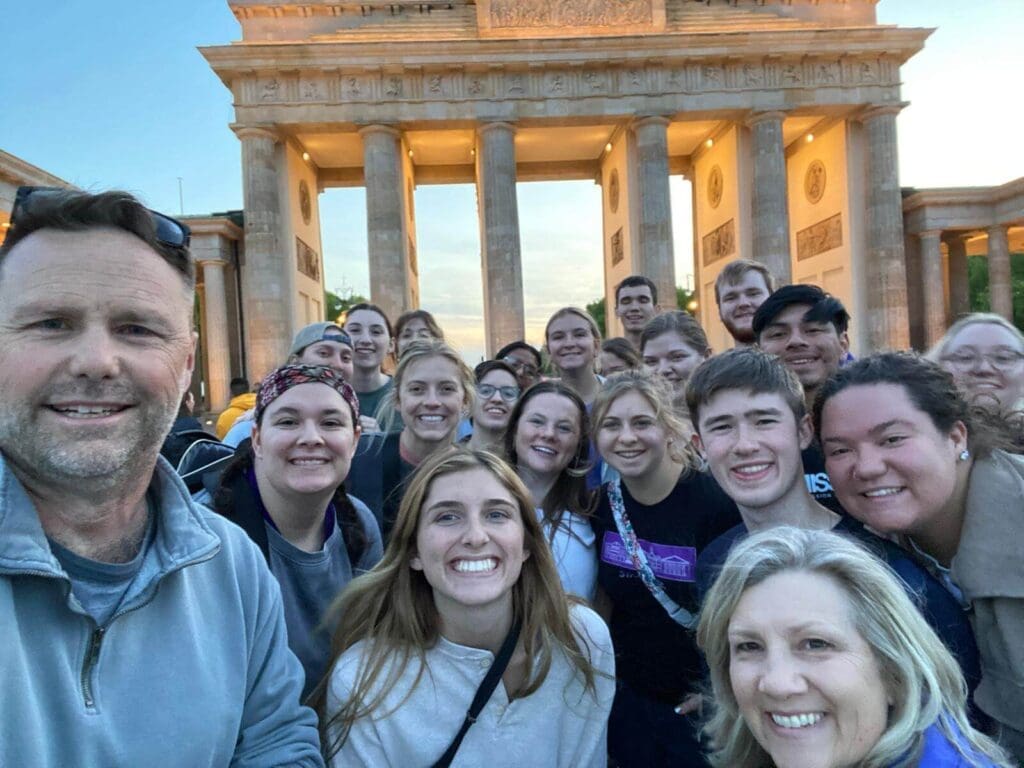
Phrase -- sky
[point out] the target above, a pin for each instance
(114, 94)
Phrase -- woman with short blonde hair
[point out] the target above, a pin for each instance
(771, 658)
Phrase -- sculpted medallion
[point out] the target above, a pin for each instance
(814, 182)
(716, 184)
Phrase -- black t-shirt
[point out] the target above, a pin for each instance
(654, 655)
(818, 483)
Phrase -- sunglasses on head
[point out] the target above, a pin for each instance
(170, 232)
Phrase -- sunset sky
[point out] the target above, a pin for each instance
(115, 95)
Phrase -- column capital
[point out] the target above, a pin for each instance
(997, 228)
(491, 125)
(871, 111)
(644, 120)
(759, 117)
(930, 233)
(264, 131)
(375, 128)
(954, 236)
(207, 262)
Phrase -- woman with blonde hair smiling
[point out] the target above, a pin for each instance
(819, 658)
(650, 526)
(985, 355)
(460, 648)
(573, 342)
(432, 390)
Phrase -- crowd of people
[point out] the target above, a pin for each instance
(632, 552)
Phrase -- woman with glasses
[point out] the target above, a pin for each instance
(497, 391)
(547, 443)
(907, 458)
(465, 604)
(524, 360)
(985, 355)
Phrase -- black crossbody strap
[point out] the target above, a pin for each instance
(483, 694)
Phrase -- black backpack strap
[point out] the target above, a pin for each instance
(483, 694)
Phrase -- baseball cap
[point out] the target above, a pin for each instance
(311, 334)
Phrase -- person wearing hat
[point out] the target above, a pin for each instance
(286, 489)
(322, 343)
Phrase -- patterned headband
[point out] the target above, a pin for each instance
(284, 378)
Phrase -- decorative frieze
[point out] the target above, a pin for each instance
(819, 238)
(579, 17)
(719, 243)
(306, 260)
(369, 85)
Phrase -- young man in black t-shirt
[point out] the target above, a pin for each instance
(806, 328)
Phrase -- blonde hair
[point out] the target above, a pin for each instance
(938, 351)
(656, 391)
(387, 409)
(921, 677)
(392, 606)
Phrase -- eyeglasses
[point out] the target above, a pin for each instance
(170, 232)
(1001, 360)
(518, 365)
(508, 394)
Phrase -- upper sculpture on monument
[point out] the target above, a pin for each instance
(335, 20)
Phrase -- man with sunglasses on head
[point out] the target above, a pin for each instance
(139, 628)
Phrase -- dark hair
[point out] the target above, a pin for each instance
(824, 307)
(734, 271)
(482, 369)
(352, 532)
(372, 308)
(747, 369)
(633, 281)
(929, 387)
(623, 350)
(74, 211)
(570, 489)
(239, 386)
(514, 345)
(683, 324)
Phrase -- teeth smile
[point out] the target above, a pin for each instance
(86, 410)
(475, 566)
(751, 469)
(432, 418)
(544, 449)
(797, 721)
(308, 462)
(882, 492)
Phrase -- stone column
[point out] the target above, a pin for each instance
(885, 272)
(959, 287)
(500, 251)
(387, 238)
(1000, 286)
(654, 255)
(215, 331)
(770, 204)
(265, 278)
(932, 286)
